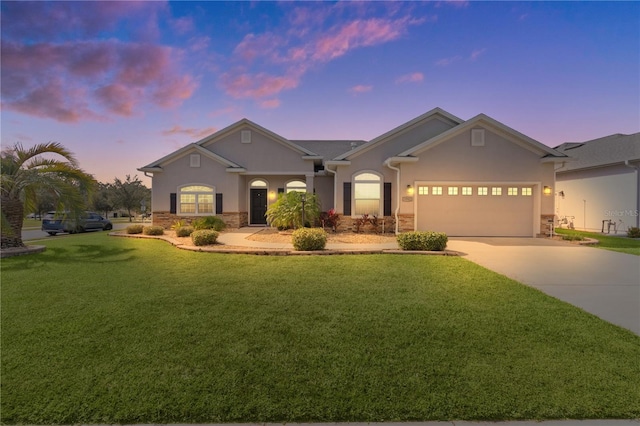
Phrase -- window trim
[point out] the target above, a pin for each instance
(355, 182)
(180, 191)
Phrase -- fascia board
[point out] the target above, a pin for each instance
(337, 163)
(398, 130)
(397, 160)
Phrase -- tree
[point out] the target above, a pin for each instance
(25, 172)
(102, 199)
(129, 194)
(286, 212)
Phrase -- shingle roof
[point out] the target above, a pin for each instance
(600, 152)
(329, 149)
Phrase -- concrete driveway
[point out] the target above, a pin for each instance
(602, 282)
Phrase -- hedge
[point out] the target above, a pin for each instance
(309, 239)
(423, 240)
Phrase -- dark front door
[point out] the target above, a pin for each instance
(258, 207)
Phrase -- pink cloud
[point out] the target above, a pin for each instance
(477, 53)
(59, 80)
(415, 77)
(191, 132)
(356, 90)
(308, 45)
(448, 61)
(257, 85)
(269, 103)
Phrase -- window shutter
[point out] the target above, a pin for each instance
(387, 199)
(346, 201)
(172, 203)
(218, 203)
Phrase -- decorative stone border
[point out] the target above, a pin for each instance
(281, 252)
(21, 251)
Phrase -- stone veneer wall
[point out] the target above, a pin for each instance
(544, 223)
(233, 220)
(347, 224)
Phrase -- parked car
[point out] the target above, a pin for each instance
(56, 222)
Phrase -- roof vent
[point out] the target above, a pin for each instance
(477, 137)
(245, 136)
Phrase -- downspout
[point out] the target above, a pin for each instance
(395, 214)
(335, 186)
(637, 212)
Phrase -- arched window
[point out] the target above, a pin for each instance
(366, 194)
(258, 183)
(295, 185)
(196, 199)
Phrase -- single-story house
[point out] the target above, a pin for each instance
(436, 172)
(600, 189)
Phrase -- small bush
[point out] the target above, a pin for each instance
(209, 222)
(633, 232)
(423, 240)
(178, 224)
(308, 239)
(153, 230)
(572, 237)
(134, 229)
(204, 237)
(184, 231)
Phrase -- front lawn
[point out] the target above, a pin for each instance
(115, 330)
(608, 242)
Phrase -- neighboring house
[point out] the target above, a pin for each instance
(602, 184)
(436, 172)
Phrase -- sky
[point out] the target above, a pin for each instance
(122, 84)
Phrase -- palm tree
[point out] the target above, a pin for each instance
(23, 172)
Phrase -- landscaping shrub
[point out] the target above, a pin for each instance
(153, 230)
(423, 240)
(286, 212)
(134, 229)
(308, 239)
(633, 232)
(572, 236)
(184, 231)
(178, 224)
(204, 237)
(209, 222)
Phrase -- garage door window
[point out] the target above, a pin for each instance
(512, 191)
(526, 191)
(496, 191)
(423, 190)
(436, 190)
(453, 190)
(483, 190)
(466, 190)
(367, 194)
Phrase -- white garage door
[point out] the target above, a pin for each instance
(476, 210)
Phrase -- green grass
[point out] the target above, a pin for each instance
(101, 329)
(608, 242)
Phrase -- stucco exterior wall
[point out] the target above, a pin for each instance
(500, 160)
(594, 195)
(261, 155)
(179, 172)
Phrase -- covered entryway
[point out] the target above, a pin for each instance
(258, 202)
(485, 210)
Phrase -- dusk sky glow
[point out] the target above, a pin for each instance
(124, 83)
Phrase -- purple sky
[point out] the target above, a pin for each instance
(124, 83)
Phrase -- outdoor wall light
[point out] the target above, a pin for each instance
(272, 195)
(409, 190)
(546, 190)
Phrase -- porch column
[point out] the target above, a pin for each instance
(310, 184)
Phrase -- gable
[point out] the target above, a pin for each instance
(481, 122)
(187, 151)
(406, 135)
(258, 150)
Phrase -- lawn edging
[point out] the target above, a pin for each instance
(221, 248)
(21, 251)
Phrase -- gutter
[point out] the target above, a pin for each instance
(637, 169)
(395, 214)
